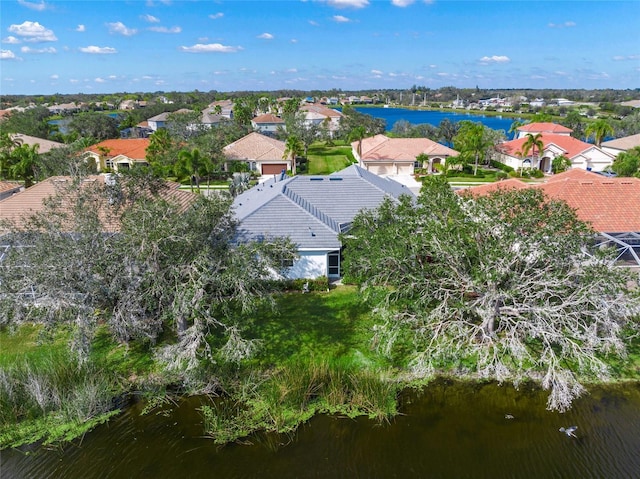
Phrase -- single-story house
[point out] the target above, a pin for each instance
(386, 156)
(610, 205)
(44, 146)
(620, 145)
(160, 120)
(32, 200)
(267, 124)
(557, 142)
(118, 153)
(312, 211)
(262, 153)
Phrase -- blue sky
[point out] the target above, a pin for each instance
(51, 46)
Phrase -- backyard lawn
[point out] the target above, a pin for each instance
(324, 160)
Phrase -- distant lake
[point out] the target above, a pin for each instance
(419, 117)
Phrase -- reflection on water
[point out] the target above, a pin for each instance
(447, 430)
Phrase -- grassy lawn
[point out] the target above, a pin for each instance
(317, 325)
(324, 160)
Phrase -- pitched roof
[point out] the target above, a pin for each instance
(9, 186)
(255, 146)
(322, 110)
(44, 146)
(311, 210)
(544, 127)
(610, 205)
(504, 185)
(570, 146)
(381, 147)
(32, 200)
(625, 143)
(267, 118)
(134, 148)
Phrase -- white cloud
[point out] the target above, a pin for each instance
(54, 77)
(495, 59)
(265, 36)
(100, 80)
(8, 55)
(340, 19)
(376, 72)
(314, 23)
(294, 40)
(33, 32)
(98, 50)
(562, 25)
(621, 58)
(165, 29)
(39, 7)
(292, 70)
(38, 50)
(215, 16)
(150, 18)
(348, 3)
(121, 29)
(11, 40)
(210, 48)
(80, 28)
(402, 3)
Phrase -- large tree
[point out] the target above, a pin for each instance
(95, 125)
(498, 287)
(472, 142)
(167, 267)
(533, 144)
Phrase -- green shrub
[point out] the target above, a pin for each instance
(501, 166)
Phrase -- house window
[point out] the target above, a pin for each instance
(333, 264)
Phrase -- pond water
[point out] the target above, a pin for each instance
(448, 430)
(433, 117)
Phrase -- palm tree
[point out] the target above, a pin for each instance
(472, 142)
(293, 148)
(599, 129)
(24, 160)
(190, 162)
(514, 127)
(239, 183)
(532, 143)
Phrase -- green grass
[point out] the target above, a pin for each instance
(324, 160)
(30, 342)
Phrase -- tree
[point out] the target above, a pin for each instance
(627, 163)
(167, 267)
(293, 148)
(239, 183)
(358, 134)
(23, 163)
(560, 163)
(534, 144)
(498, 287)
(31, 121)
(471, 142)
(95, 125)
(599, 130)
(191, 163)
(447, 130)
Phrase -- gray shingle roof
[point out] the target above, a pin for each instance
(311, 210)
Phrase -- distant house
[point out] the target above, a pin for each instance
(118, 154)
(223, 108)
(610, 205)
(312, 211)
(160, 121)
(620, 145)
(557, 142)
(44, 146)
(316, 114)
(261, 153)
(386, 156)
(267, 124)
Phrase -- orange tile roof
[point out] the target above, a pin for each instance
(31, 201)
(610, 205)
(9, 185)
(504, 185)
(267, 118)
(571, 146)
(544, 127)
(381, 147)
(134, 148)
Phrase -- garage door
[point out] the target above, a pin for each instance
(274, 168)
(405, 169)
(381, 168)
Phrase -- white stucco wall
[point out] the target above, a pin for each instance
(312, 264)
